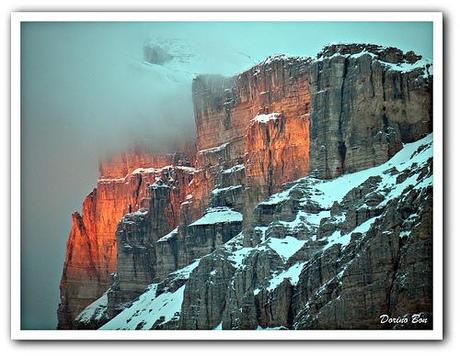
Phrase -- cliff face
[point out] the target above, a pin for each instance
(366, 102)
(91, 253)
(325, 255)
(276, 152)
(253, 236)
(242, 112)
(238, 162)
(137, 233)
(321, 254)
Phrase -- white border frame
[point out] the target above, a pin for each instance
(435, 334)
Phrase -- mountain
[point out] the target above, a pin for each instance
(123, 187)
(309, 205)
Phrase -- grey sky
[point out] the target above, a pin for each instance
(86, 91)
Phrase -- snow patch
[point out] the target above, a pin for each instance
(148, 310)
(95, 311)
(303, 218)
(285, 247)
(233, 169)
(218, 215)
(292, 273)
(271, 328)
(185, 272)
(168, 236)
(226, 189)
(338, 238)
(214, 149)
(238, 256)
(145, 170)
(406, 67)
(328, 191)
(264, 118)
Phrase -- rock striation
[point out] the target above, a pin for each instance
(91, 253)
(308, 205)
(366, 102)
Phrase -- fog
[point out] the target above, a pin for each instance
(87, 90)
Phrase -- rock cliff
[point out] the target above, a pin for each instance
(91, 253)
(308, 205)
(321, 254)
(366, 102)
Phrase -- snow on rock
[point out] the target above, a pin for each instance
(280, 57)
(424, 63)
(305, 219)
(218, 215)
(264, 118)
(184, 273)
(236, 252)
(140, 212)
(285, 247)
(338, 238)
(168, 236)
(233, 169)
(412, 156)
(217, 191)
(129, 217)
(149, 310)
(146, 170)
(277, 198)
(214, 149)
(272, 328)
(292, 274)
(326, 192)
(238, 256)
(187, 169)
(95, 311)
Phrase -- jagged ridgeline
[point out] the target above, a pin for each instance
(307, 204)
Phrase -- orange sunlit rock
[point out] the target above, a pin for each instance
(271, 153)
(91, 252)
(277, 151)
(274, 152)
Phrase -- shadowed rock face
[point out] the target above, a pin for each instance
(277, 127)
(363, 110)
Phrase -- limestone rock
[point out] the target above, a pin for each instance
(266, 231)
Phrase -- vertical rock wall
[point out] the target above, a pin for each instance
(364, 107)
(91, 252)
(273, 152)
(138, 232)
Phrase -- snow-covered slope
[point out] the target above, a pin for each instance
(159, 305)
(274, 262)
